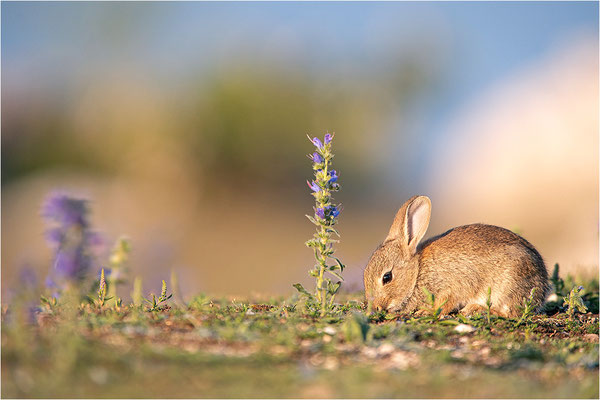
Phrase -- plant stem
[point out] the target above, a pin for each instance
(323, 290)
(323, 246)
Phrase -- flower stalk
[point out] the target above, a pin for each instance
(324, 218)
(574, 302)
(118, 272)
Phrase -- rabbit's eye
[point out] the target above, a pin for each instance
(387, 277)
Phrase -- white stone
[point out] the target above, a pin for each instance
(385, 349)
(330, 330)
(464, 328)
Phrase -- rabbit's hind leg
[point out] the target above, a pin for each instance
(448, 306)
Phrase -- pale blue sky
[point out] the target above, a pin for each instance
(486, 40)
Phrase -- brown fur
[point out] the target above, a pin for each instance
(457, 266)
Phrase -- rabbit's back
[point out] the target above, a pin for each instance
(465, 261)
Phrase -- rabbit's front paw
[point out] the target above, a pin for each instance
(472, 309)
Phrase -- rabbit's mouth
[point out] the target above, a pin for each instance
(397, 307)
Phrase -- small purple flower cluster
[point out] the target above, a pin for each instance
(71, 238)
(325, 180)
(327, 212)
(330, 181)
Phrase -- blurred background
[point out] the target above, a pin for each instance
(185, 125)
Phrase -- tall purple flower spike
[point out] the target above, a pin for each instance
(325, 216)
(71, 239)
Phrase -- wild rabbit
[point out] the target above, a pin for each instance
(457, 266)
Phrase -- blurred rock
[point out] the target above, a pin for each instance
(524, 156)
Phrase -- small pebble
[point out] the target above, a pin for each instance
(464, 328)
(330, 330)
(385, 349)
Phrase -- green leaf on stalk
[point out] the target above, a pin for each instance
(336, 275)
(311, 243)
(342, 266)
(333, 230)
(301, 289)
(333, 288)
(311, 219)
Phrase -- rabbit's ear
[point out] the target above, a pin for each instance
(411, 223)
(417, 221)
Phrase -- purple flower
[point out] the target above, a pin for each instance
(319, 212)
(65, 264)
(65, 210)
(317, 142)
(327, 212)
(72, 262)
(333, 176)
(333, 211)
(316, 157)
(313, 185)
(71, 239)
(327, 138)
